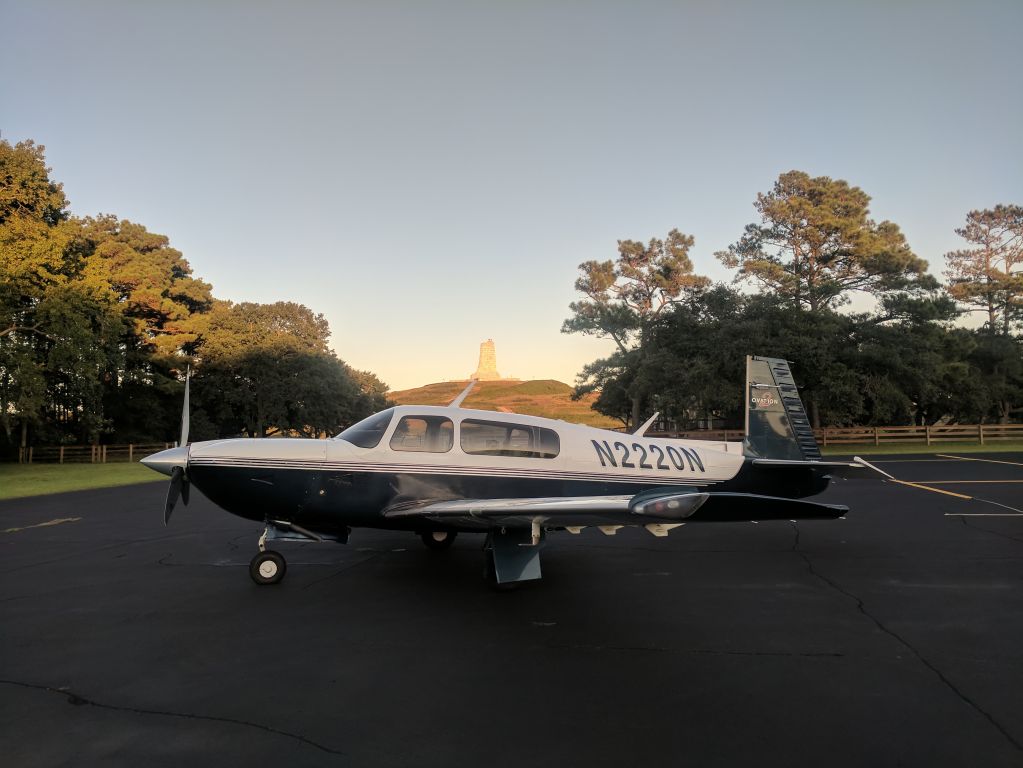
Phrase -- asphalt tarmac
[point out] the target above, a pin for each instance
(892, 637)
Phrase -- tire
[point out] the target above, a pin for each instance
(432, 542)
(267, 567)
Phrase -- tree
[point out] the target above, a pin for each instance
(989, 278)
(153, 287)
(624, 298)
(99, 316)
(36, 262)
(265, 369)
(373, 392)
(815, 243)
(35, 251)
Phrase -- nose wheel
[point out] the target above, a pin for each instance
(268, 567)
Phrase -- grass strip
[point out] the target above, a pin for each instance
(20, 480)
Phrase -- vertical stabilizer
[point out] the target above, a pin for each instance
(776, 422)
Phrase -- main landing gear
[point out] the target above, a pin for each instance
(438, 540)
(512, 555)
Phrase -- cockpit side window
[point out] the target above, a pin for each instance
(497, 438)
(431, 434)
(367, 433)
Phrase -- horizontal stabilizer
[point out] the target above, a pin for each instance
(857, 469)
(743, 507)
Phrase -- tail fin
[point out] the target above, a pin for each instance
(776, 423)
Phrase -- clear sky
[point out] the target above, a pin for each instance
(430, 174)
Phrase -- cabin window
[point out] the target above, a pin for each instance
(498, 438)
(367, 433)
(432, 434)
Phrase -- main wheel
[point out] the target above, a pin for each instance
(267, 567)
(438, 539)
(490, 574)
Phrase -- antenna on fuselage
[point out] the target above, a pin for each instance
(457, 402)
(641, 430)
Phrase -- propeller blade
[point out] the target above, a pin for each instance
(185, 485)
(176, 483)
(184, 410)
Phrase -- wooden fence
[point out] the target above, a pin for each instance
(87, 454)
(943, 433)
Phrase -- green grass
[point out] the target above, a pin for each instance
(999, 446)
(19, 480)
(541, 387)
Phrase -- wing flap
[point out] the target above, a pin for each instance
(744, 507)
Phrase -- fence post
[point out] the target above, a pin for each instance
(131, 451)
(927, 428)
(877, 438)
(980, 430)
(31, 448)
(104, 449)
(825, 436)
(61, 459)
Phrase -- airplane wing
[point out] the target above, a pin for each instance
(559, 511)
(657, 510)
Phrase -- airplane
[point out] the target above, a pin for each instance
(441, 471)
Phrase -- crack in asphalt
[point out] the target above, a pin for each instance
(976, 527)
(79, 701)
(104, 548)
(902, 641)
(343, 569)
(695, 651)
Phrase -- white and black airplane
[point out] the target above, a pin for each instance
(440, 471)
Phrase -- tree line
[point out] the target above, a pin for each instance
(681, 341)
(99, 318)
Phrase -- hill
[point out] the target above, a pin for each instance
(543, 397)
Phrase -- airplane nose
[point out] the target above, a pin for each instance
(165, 461)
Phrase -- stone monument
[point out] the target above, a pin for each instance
(487, 369)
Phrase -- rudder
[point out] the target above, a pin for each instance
(776, 423)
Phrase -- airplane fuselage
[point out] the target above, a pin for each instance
(327, 485)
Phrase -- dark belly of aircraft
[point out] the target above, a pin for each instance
(330, 500)
(326, 501)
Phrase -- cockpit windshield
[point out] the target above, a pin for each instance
(367, 433)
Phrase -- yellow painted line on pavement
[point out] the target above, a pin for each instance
(58, 521)
(964, 482)
(933, 490)
(988, 461)
(911, 461)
